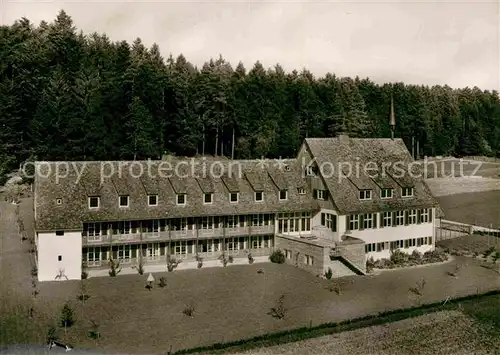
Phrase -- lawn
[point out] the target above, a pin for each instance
(449, 168)
(229, 303)
(478, 208)
(470, 244)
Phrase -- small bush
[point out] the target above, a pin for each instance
(140, 266)
(329, 274)
(250, 258)
(199, 260)
(189, 311)
(114, 267)
(163, 281)
(172, 263)
(94, 332)
(277, 257)
(85, 274)
(34, 271)
(279, 311)
(51, 335)
(398, 257)
(67, 316)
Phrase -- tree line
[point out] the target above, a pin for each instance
(66, 95)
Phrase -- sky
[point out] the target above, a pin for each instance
(418, 42)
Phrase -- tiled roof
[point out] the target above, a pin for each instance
(74, 192)
(371, 156)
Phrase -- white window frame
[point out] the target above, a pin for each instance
(354, 222)
(98, 202)
(310, 171)
(365, 195)
(407, 191)
(368, 221)
(384, 195)
(286, 195)
(261, 195)
(124, 253)
(153, 251)
(237, 197)
(127, 226)
(120, 201)
(156, 200)
(400, 218)
(177, 199)
(59, 201)
(309, 260)
(233, 222)
(412, 216)
(94, 251)
(207, 223)
(205, 198)
(92, 227)
(387, 219)
(180, 248)
(424, 215)
(301, 191)
(320, 194)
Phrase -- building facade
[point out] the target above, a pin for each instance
(319, 209)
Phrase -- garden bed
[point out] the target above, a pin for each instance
(400, 259)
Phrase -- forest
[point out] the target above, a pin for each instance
(66, 95)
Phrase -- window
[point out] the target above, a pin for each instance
(93, 230)
(123, 201)
(59, 201)
(181, 199)
(180, 248)
(387, 219)
(407, 192)
(365, 194)
(380, 246)
(94, 202)
(301, 191)
(368, 221)
(233, 197)
(94, 256)
(59, 258)
(283, 195)
(125, 227)
(232, 222)
(412, 216)
(386, 193)
(353, 222)
(424, 215)
(259, 196)
(207, 199)
(288, 254)
(320, 194)
(310, 171)
(369, 248)
(59, 232)
(329, 220)
(153, 200)
(400, 218)
(124, 253)
(308, 260)
(287, 168)
(207, 222)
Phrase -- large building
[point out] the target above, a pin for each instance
(341, 201)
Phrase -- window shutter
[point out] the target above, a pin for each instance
(430, 213)
(381, 222)
(394, 220)
(406, 217)
(323, 221)
(374, 216)
(325, 192)
(315, 194)
(361, 221)
(419, 215)
(334, 223)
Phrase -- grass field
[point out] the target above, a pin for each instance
(458, 168)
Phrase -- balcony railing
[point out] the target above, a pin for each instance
(178, 235)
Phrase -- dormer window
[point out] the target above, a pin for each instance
(310, 171)
(123, 201)
(59, 201)
(320, 194)
(153, 200)
(259, 196)
(407, 192)
(234, 197)
(386, 193)
(94, 202)
(301, 191)
(181, 199)
(287, 168)
(365, 194)
(207, 198)
(283, 195)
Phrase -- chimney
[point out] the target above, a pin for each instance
(343, 138)
(392, 119)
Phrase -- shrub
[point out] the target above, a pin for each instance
(199, 259)
(84, 294)
(370, 264)
(34, 271)
(188, 311)
(114, 267)
(67, 316)
(94, 331)
(329, 274)
(277, 257)
(415, 256)
(279, 311)
(85, 274)
(140, 266)
(488, 252)
(51, 335)
(225, 259)
(172, 263)
(250, 258)
(163, 281)
(398, 257)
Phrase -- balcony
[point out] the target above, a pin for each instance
(177, 235)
